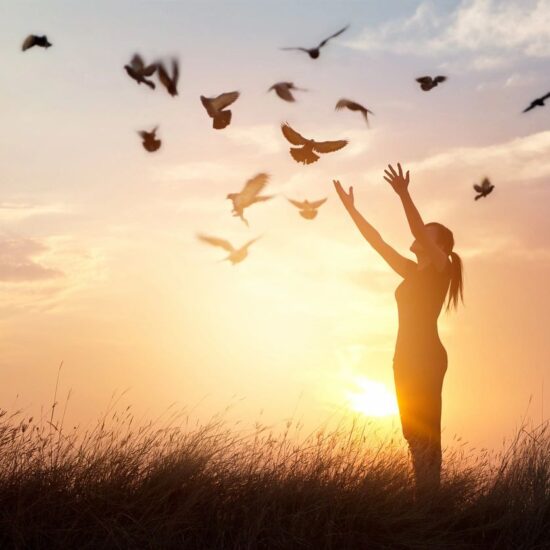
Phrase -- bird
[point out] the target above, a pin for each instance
(215, 108)
(308, 210)
(236, 255)
(282, 89)
(484, 189)
(249, 195)
(539, 102)
(427, 82)
(315, 52)
(305, 152)
(34, 40)
(353, 106)
(150, 141)
(138, 71)
(169, 82)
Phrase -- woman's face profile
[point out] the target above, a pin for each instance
(432, 232)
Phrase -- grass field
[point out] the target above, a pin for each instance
(119, 485)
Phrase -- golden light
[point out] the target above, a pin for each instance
(372, 398)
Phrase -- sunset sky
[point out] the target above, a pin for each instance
(99, 263)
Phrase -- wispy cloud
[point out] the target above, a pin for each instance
(19, 261)
(488, 34)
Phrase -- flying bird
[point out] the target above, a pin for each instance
(282, 89)
(249, 195)
(169, 82)
(484, 189)
(34, 40)
(150, 142)
(314, 52)
(308, 210)
(137, 70)
(539, 102)
(353, 106)
(236, 255)
(427, 82)
(306, 148)
(215, 108)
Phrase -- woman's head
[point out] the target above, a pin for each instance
(438, 233)
(444, 238)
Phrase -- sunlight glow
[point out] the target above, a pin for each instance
(372, 398)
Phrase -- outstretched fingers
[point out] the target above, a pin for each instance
(400, 169)
(392, 170)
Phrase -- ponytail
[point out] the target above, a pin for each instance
(457, 281)
(446, 241)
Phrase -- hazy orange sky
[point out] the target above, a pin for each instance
(99, 264)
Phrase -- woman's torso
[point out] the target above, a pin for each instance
(420, 297)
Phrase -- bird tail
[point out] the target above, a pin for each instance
(222, 119)
(303, 155)
(149, 83)
(478, 197)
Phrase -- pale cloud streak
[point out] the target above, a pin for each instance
(486, 33)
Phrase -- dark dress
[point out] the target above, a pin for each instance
(419, 366)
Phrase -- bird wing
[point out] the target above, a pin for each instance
(297, 204)
(424, 79)
(321, 44)
(532, 106)
(175, 71)
(284, 92)
(329, 146)
(29, 42)
(440, 78)
(137, 62)
(215, 241)
(253, 186)
(478, 188)
(316, 204)
(250, 242)
(292, 136)
(150, 70)
(224, 100)
(163, 75)
(545, 96)
(296, 48)
(343, 104)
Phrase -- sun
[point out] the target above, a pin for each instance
(372, 398)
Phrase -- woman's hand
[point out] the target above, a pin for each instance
(397, 180)
(346, 198)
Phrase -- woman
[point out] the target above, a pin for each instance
(420, 360)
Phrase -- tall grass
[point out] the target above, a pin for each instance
(120, 485)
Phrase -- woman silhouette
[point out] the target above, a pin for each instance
(420, 360)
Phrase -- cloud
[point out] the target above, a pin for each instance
(264, 138)
(18, 263)
(520, 160)
(16, 211)
(488, 34)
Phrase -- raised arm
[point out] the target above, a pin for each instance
(400, 184)
(396, 261)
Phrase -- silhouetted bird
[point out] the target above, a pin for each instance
(308, 210)
(484, 189)
(314, 52)
(150, 141)
(539, 102)
(138, 71)
(282, 89)
(169, 82)
(353, 106)
(305, 151)
(33, 40)
(236, 255)
(427, 82)
(214, 107)
(249, 195)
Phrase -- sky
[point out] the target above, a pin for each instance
(100, 267)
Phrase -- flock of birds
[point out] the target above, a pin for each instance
(304, 150)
